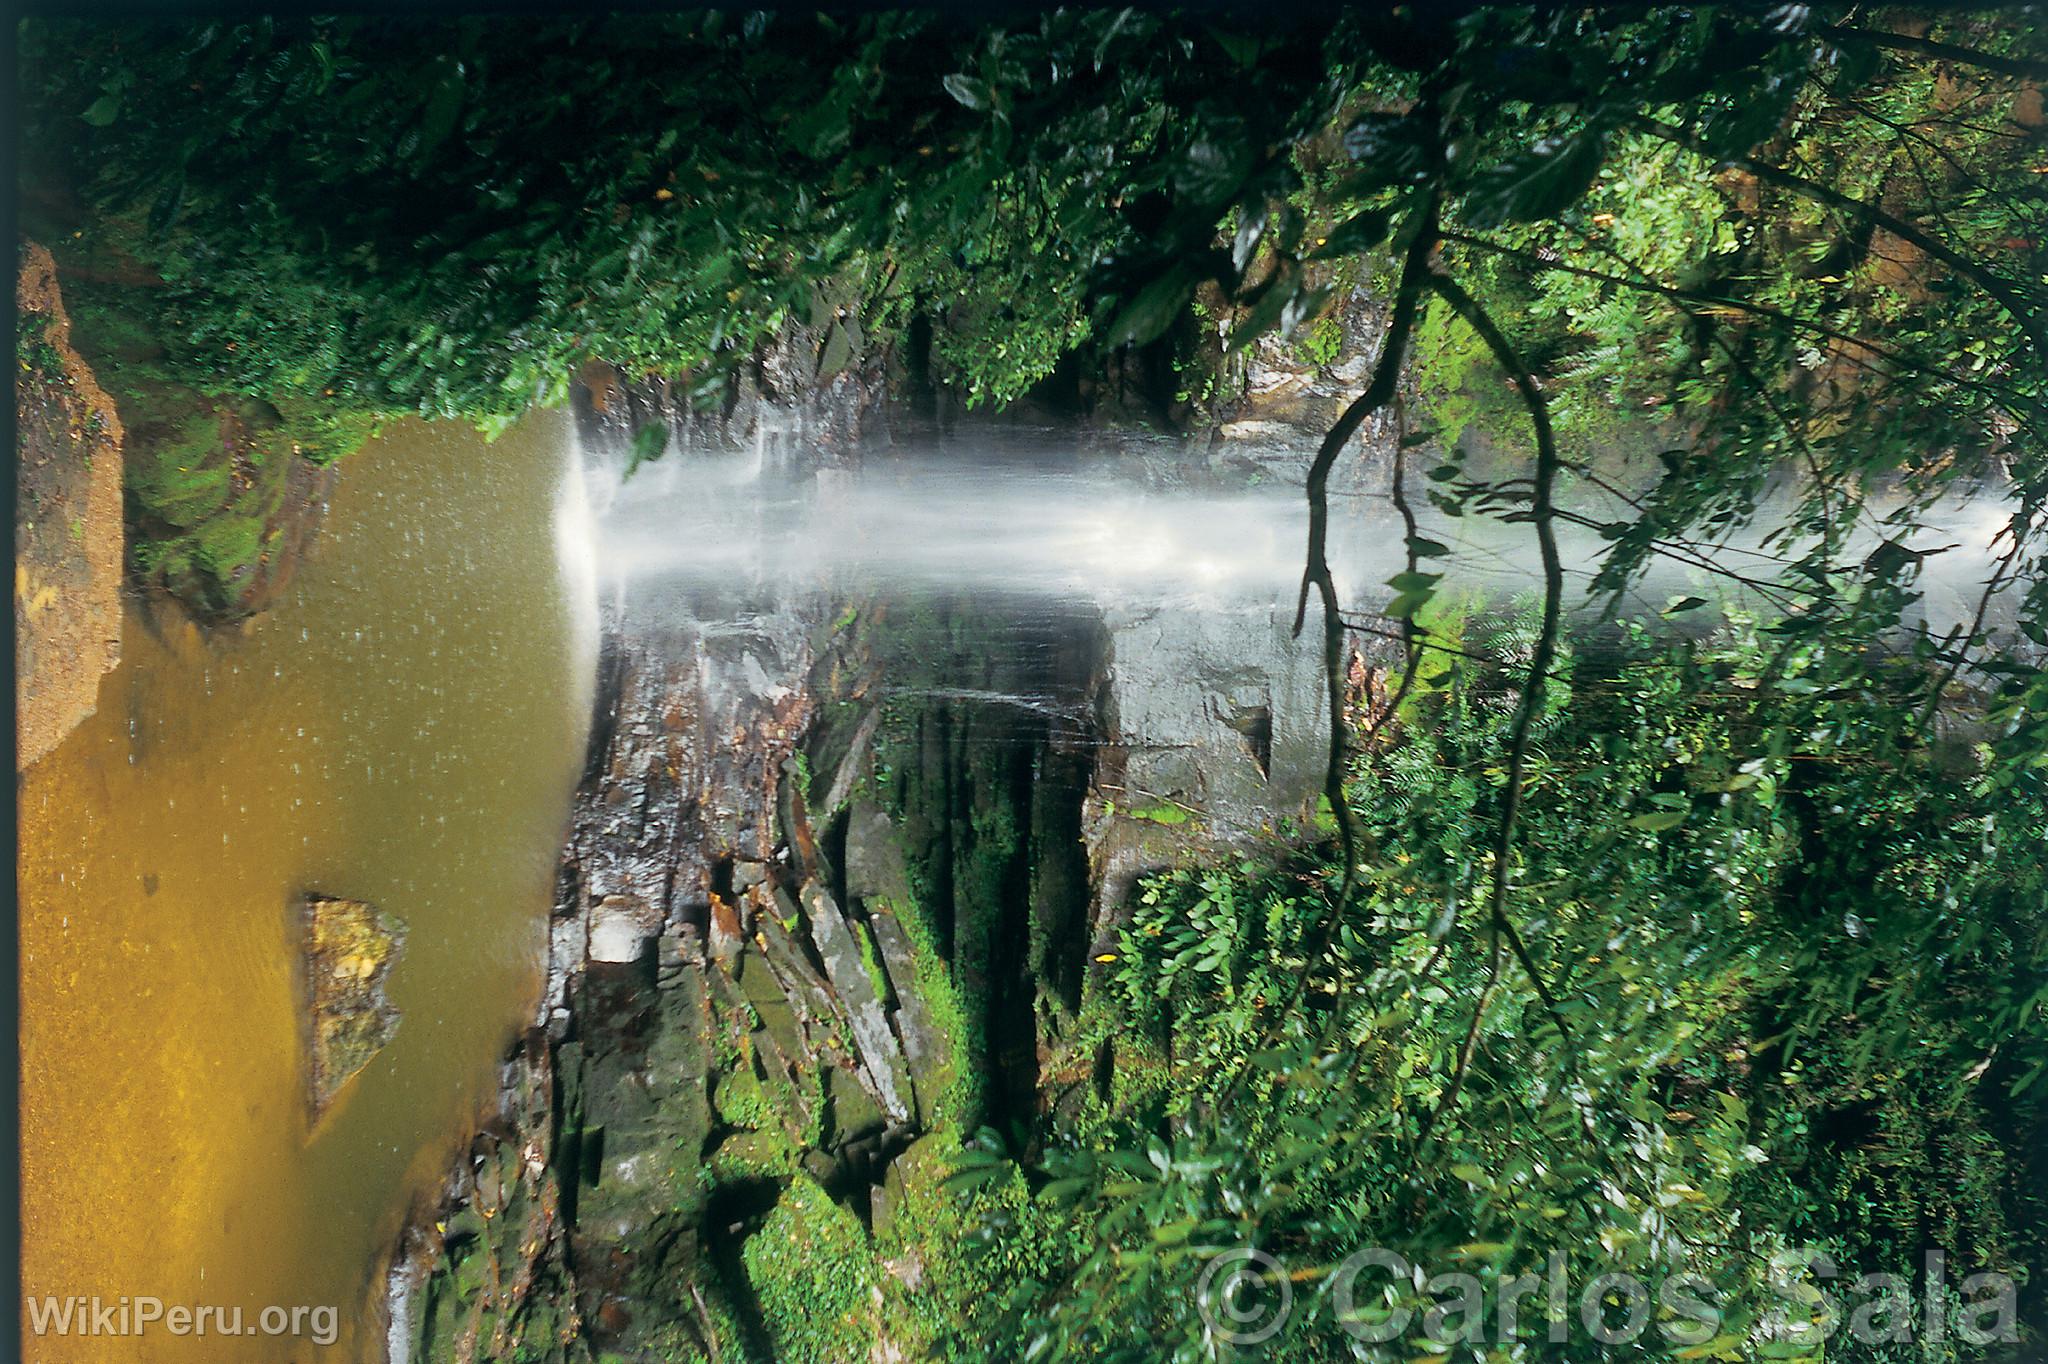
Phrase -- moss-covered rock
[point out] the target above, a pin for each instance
(350, 948)
(223, 491)
(813, 1274)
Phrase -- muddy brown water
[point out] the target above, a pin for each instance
(406, 729)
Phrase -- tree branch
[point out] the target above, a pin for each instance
(1411, 633)
(1951, 52)
(1385, 382)
(1542, 512)
(1970, 634)
(1386, 379)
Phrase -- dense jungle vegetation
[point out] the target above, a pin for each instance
(1666, 950)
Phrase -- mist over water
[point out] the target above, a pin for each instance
(1035, 517)
(938, 521)
(1178, 577)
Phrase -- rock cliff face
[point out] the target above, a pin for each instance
(826, 908)
(820, 378)
(728, 1034)
(839, 863)
(67, 520)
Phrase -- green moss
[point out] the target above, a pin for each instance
(178, 472)
(741, 1102)
(766, 1154)
(1443, 621)
(1142, 1082)
(227, 547)
(871, 958)
(317, 432)
(1452, 368)
(727, 1050)
(1161, 812)
(1321, 344)
(724, 1325)
(804, 780)
(769, 1101)
(966, 1279)
(813, 1274)
(959, 1091)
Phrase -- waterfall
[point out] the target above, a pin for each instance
(576, 536)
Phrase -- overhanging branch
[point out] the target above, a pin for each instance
(1386, 378)
(1543, 513)
(1949, 52)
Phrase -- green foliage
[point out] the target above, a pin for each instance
(207, 476)
(1014, 302)
(1680, 212)
(225, 549)
(1797, 1007)
(1322, 342)
(1455, 382)
(974, 1241)
(812, 1274)
(449, 219)
(959, 1098)
(739, 1100)
(35, 358)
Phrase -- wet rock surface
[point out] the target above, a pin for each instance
(818, 377)
(837, 866)
(714, 1039)
(350, 947)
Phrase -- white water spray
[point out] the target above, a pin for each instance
(987, 517)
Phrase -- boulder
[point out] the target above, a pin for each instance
(925, 1049)
(350, 947)
(865, 1020)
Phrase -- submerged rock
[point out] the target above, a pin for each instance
(350, 948)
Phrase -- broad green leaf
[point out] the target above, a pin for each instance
(1266, 312)
(969, 91)
(1155, 308)
(1361, 232)
(1540, 182)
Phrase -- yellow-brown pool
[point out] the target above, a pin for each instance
(404, 729)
